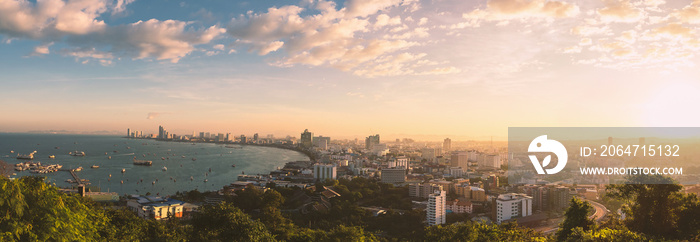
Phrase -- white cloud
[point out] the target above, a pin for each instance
(51, 18)
(272, 46)
(501, 11)
(77, 23)
(341, 38)
(385, 20)
(41, 49)
(620, 11)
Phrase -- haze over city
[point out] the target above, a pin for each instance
(346, 69)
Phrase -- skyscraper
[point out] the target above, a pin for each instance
(371, 141)
(436, 213)
(447, 145)
(128, 132)
(306, 139)
(460, 159)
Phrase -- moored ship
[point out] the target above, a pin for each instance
(77, 153)
(142, 162)
(29, 156)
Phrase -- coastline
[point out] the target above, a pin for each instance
(312, 156)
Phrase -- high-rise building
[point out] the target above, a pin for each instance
(512, 205)
(243, 139)
(325, 171)
(436, 213)
(306, 139)
(447, 145)
(428, 154)
(162, 133)
(128, 132)
(371, 141)
(255, 138)
(460, 159)
(321, 142)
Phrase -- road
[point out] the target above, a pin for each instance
(600, 211)
(553, 225)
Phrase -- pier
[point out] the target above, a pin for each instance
(75, 177)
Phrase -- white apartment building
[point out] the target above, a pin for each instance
(325, 171)
(436, 213)
(512, 205)
(456, 172)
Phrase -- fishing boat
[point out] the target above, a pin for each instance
(77, 153)
(206, 180)
(234, 165)
(29, 156)
(78, 169)
(95, 166)
(165, 168)
(52, 157)
(123, 170)
(109, 157)
(194, 159)
(142, 162)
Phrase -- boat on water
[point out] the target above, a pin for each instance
(77, 153)
(109, 157)
(206, 180)
(162, 158)
(191, 178)
(123, 170)
(78, 169)
(165, 168)
(12, 151)
(194, 159)
(95, 166)
(142, 162)
(52, 157)
(29, 156)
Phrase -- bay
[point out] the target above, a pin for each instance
(214, 162)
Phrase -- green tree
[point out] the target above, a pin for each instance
(37, 211)
(225, 222)
(604, 235)
(576, 216)
(653, 204)
(480, 232)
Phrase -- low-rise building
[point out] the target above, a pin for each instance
(394, 175)
(459, 206)
(155, 207)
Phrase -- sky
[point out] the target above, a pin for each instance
(346, 69)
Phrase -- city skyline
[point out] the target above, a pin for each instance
(399, 68)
